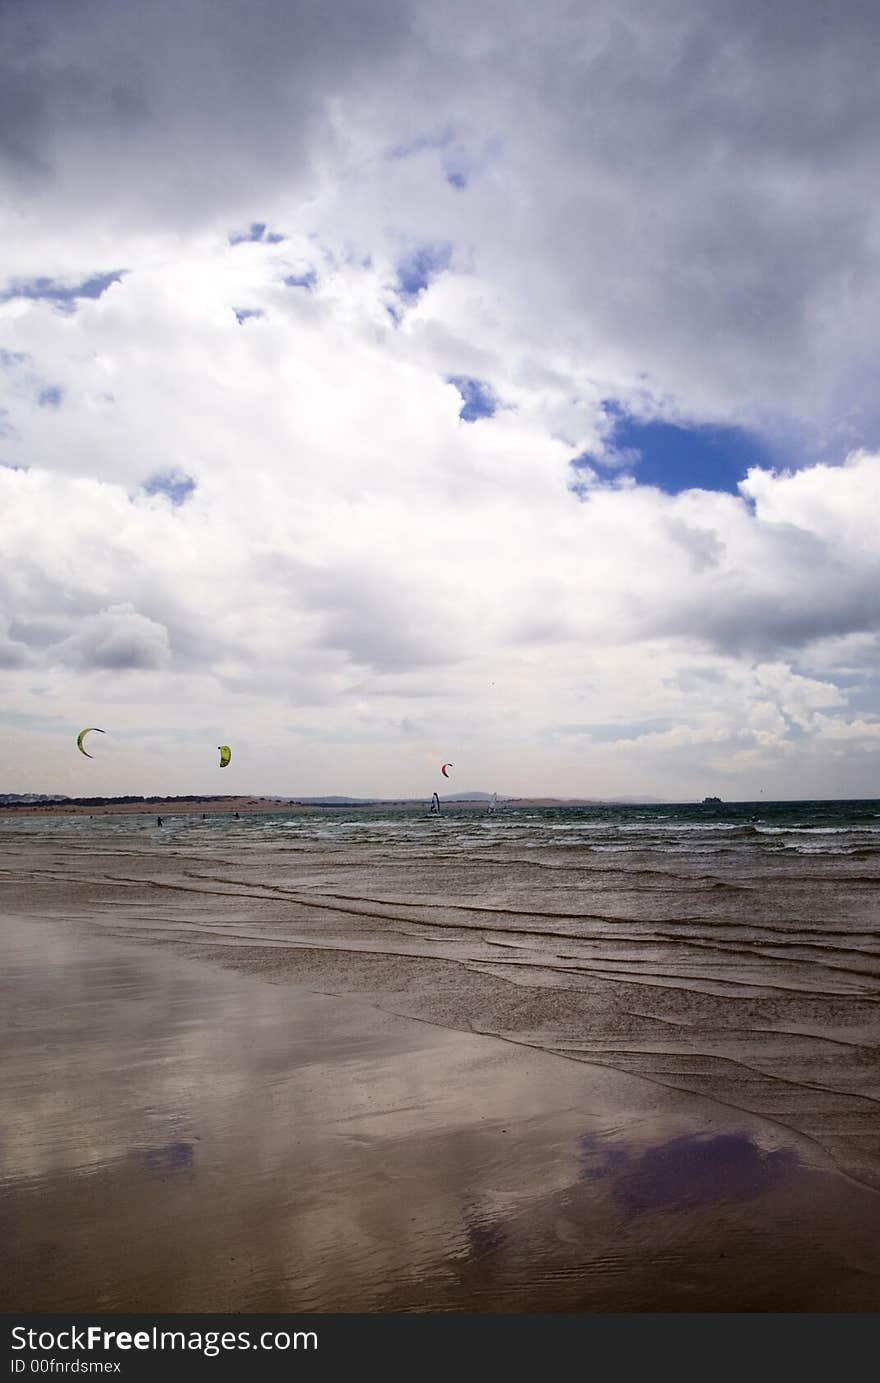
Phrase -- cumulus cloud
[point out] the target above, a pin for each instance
(305, 468)
(117, 639)
(14, 651)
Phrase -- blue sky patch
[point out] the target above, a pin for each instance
(50, 397)
(242, 314)
(478, 399)
(306, 280)
(174, 484)
(426, 143)
(62, 295)
(676, 457)
(419, 267)
(256, 234)
(420, 144)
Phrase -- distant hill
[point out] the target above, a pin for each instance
(13, 799)
(33, 797)
(467, 797)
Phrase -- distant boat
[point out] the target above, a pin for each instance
(710, 801)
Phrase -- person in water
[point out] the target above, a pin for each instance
(158, 821)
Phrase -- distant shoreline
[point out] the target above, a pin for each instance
(148, 806)
(176, 806)
(186, 805)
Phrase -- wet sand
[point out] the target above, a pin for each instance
(178, 1136)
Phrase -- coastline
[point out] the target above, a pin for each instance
(170, 806)
(147, 807)
(184, 1136)
(302, 1066)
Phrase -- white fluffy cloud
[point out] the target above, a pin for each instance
(237, 499)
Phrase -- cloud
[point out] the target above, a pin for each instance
(116, 639)
(14, 652)
(228, 471)
(179, 116)
(650, 205)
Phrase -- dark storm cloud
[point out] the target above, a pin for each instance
(12, 654)
(178, 107)
(85, 629)
(691, 184)
(116, 639)
(775, 617)
(722, 197)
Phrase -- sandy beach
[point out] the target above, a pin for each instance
(228, 1088)
(180, 1137)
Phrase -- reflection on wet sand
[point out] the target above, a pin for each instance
(180, 1137)
(703, 956)
(687, 1170)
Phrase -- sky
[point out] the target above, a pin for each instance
(396, 384)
